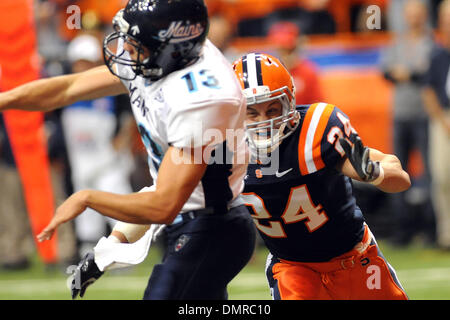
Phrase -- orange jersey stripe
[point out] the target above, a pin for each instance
(317, 150)
(302, 141)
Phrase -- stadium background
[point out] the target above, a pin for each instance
(348, 68)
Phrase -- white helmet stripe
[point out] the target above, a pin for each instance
(252, 70)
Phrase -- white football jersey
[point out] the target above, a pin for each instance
(188, 108)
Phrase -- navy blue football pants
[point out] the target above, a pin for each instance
(202, 256)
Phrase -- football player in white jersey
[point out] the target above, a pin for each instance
(190, 111)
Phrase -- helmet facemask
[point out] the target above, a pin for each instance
(265, 136)
(142, 65)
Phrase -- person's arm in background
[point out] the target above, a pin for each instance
(389, 66)
(431, 103)
(52, 93)
(434, 108)
(395, 71)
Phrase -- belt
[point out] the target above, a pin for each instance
(190, 215)
(219, 209)
(345, 261)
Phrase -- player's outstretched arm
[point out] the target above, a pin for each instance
(370, 165)
(178, 176)
(52, 93)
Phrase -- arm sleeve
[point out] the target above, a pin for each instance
(428, 77)
(386, 62)
(319, 147)
(339, 126)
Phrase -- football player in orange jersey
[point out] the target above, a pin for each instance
(304, 209)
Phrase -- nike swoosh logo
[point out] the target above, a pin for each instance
(280, 174)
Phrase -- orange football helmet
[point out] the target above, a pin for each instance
(264, 78)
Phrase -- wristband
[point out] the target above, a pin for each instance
(379, 179)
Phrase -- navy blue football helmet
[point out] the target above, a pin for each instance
(173, 31)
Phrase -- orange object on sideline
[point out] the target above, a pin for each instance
(19, 64)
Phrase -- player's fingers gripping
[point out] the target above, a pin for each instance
(353, 137)
(76, 286)
(85, 286)
(346, 146)
(367, 164)
(359, 149)
(370, 169)
(74, 290)
(356, 154)
(86, 274)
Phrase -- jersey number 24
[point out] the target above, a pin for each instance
(299, 207)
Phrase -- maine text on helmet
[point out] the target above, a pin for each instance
(178, 32)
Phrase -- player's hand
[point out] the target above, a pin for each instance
(358, 155)
(70, 209)
(85, 274)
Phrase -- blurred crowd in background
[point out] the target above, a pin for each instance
(384, 46)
